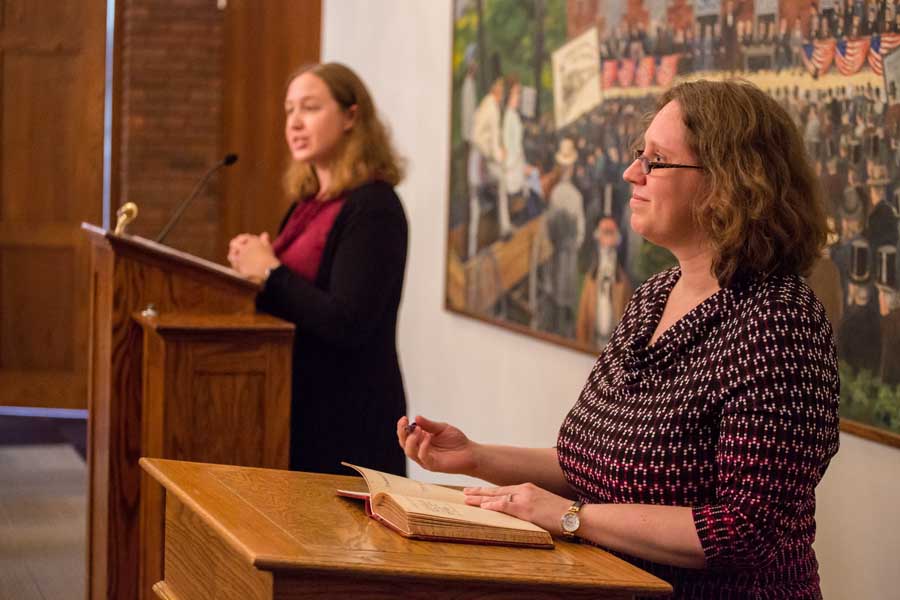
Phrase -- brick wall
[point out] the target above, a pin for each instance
(171, 54)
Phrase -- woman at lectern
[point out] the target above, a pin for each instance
(706, 423)
(335, 271)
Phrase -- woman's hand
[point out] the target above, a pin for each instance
(234, 247)
(251, 255)
(438, 446)
(525, 501)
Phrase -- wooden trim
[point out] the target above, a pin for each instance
(47, 235)
(164, 592)
(133, 245)
(47, 389)
(174, 323)
(870, 432)
(204, 502)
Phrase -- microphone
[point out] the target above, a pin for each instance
(229, 160)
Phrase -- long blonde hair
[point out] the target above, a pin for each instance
(365, 152)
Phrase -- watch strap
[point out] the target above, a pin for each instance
(573, 510)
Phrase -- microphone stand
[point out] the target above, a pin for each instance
(225, 162)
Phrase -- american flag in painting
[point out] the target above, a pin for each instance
(881, 46)
(668, 67)
(626, 72)
(649, 71)
(646, 69)
(851, 55)
(817, 57)
(610, 73)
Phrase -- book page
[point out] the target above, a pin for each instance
(379, 482)
(461, 513)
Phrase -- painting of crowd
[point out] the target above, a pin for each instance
(846, 34)
(852, 136)
(570, 180)
(556, 195)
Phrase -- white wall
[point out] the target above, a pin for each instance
(507, 388)
(858, 518)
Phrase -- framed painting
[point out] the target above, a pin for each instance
(548, 97)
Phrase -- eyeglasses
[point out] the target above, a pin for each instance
(648, 165)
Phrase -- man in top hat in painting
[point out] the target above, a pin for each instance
(855, 200)
(832, 181)
(881, 225)
(851, 220)
(859, 339)
(886, 282)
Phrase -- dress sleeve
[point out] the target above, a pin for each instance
(778, 432)
(366, 272)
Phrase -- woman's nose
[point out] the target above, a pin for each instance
(634, 173)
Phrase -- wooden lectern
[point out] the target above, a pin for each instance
(199, 375)
(258, 534)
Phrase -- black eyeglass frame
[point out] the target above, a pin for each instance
(648, 165)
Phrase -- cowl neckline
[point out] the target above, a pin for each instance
(682, 334)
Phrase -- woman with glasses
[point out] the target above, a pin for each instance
(708, 420)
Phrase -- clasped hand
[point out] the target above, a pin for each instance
(250, 255)
(444, 448)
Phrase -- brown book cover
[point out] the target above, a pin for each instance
(432, 512)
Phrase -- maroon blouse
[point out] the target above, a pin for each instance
(301, 242)
(733, 411)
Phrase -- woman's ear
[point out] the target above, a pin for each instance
(351, 117)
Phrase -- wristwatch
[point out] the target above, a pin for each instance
(570, 521)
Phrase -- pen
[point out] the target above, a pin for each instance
(411, 427)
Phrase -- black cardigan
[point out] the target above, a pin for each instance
(347, 387)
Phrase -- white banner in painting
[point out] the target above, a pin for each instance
(576, 78)
(765, 7)
(892, 77)
(707, 8)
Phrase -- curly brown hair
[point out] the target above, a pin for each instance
(763, 210)
(367, 152)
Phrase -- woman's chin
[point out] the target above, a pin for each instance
(638, 225)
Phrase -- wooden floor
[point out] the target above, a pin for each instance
(42, 522)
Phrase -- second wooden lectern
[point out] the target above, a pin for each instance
(234, 533)
(181, 367)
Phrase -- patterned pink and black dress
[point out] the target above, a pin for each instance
(734, 412)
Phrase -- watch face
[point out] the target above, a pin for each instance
(571, 522)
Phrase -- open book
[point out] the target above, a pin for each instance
(433, 512)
